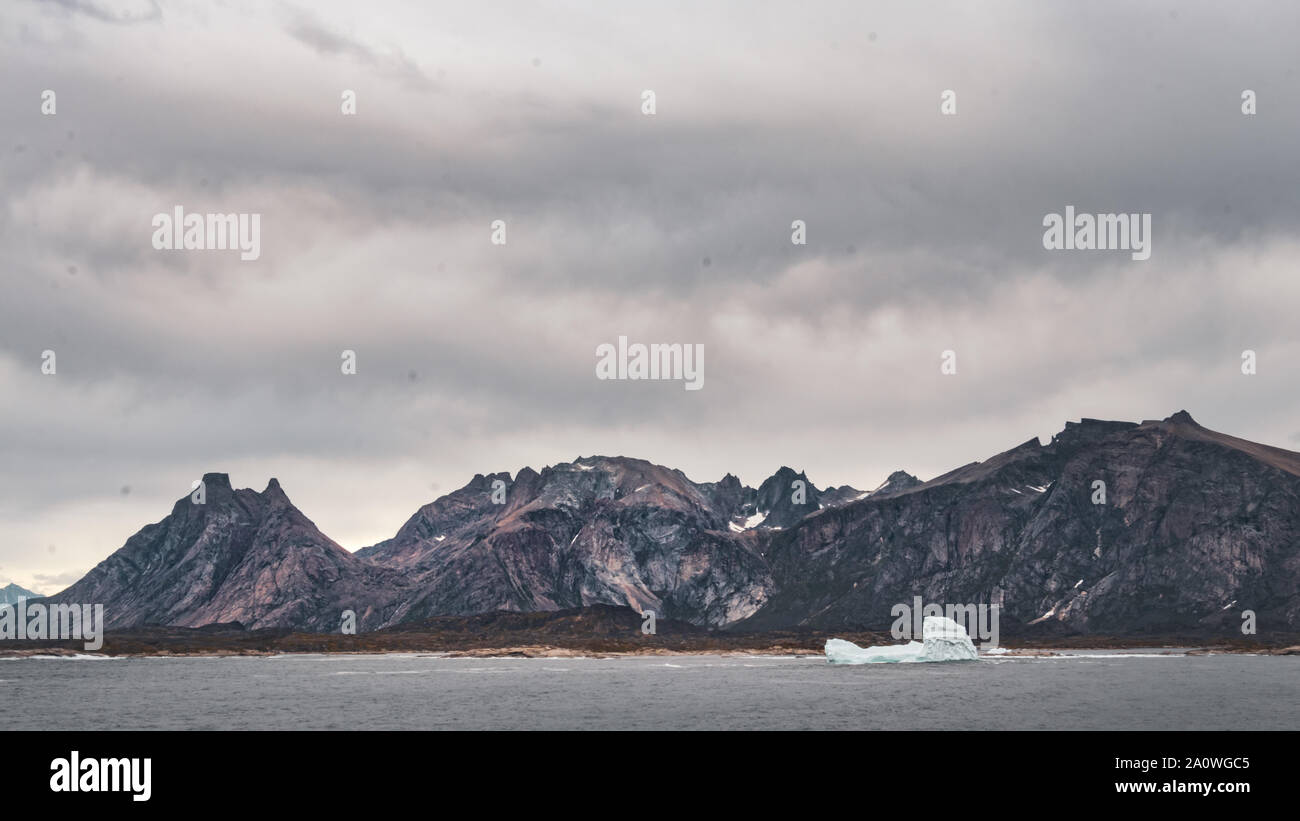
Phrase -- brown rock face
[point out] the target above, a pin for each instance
(595, 531)
(1195, 528)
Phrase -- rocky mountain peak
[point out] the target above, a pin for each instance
(240, 556)
(785, 497)
(898, 481)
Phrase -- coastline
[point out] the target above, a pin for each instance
(305, 645)
(594, 632)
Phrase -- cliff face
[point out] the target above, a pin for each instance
(1195, 527)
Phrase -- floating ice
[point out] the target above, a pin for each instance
(945, 640)
(839, 651)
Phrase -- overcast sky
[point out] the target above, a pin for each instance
(924, 234)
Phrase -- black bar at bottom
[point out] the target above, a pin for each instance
(640, 773)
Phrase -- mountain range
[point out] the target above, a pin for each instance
(1110, 528)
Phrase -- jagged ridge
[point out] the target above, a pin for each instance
(1197, 526)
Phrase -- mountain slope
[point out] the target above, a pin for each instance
(1195, 528)
(242, 556)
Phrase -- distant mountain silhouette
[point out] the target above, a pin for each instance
(12, 594)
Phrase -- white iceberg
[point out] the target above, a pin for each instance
(944, 640)
(839, 651)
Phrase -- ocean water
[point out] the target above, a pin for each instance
(1128, 691)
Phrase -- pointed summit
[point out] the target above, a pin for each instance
(783, 499)
(275, 494)
(899, 480)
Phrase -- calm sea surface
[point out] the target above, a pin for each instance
(1133, 691)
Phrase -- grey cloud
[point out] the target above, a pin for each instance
(311, 32)
(112, 11)
(924, 234)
